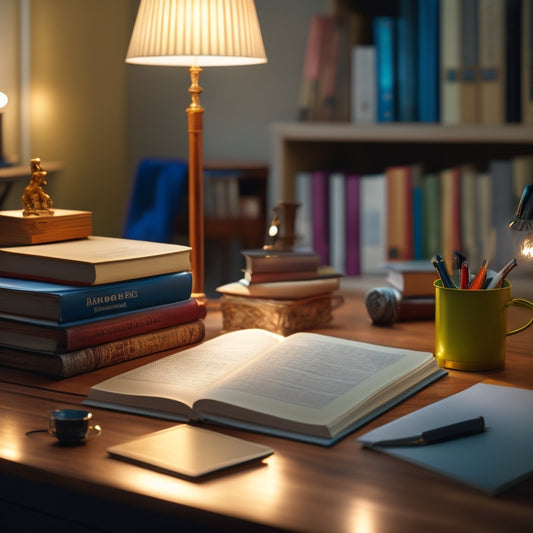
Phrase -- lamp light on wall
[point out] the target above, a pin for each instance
(196, 34)
(3, 103)
(522, 226)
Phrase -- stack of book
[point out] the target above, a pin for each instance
(280, 291)
(74, 306)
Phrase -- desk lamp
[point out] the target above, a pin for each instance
(522, 223)
(3, 103)
(196, 34)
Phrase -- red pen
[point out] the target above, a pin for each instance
(480, 277)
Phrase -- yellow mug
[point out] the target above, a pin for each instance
(471, 326)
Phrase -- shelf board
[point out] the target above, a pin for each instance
(402, 132)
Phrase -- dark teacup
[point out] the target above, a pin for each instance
(69, 426)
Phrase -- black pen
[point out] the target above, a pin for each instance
(440, 266)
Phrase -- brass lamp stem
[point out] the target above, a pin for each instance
(196, 192)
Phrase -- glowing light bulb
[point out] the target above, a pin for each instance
(3, 99)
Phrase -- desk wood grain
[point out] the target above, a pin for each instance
(302, 487)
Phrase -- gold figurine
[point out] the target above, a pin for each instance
(34, 200)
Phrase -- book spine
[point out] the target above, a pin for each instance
(407, 45)
(321, 215)
(92, 358)
(450, 57)
(491, 61)
(159, 317)
(384, 40)
(513, 60)
(364, 105)
(353, 267)
(428, 61)
(469, 85)
(115, 298)
(337, 221)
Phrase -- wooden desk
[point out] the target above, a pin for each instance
(302, 488)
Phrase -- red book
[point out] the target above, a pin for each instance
(42, 336)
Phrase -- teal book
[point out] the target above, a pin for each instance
(384, 32)
(407, 45)
(66, 303)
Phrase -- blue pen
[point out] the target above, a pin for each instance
(440, 266)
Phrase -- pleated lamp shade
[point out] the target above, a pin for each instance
(202, 33)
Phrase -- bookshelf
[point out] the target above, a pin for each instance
(298, 146)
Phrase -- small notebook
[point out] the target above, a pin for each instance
(189, 451)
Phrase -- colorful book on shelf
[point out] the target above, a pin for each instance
(271, 385)
(295, 260)
(384, 38)
(492, 44)
(304, 196)
(94, 260)
(43, 336)
(428, 64)
(66, 303)
(450, 180)
(364, 88)
(311, 66)
(373, 210)
(469, 79)
(406, 55)
(527, 62)
(431, 214)
(400, 212)
(102, 355)
(417, 173)
(412, 278)
(501, 173)
(506, 411)
(513, 61)
(337, 221)
(287, 290)
(321, 215)
(64, 224)
(469, 210)
(450, 61)
(353, 243)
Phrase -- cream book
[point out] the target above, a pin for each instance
(287, 290)
(307, 386)
(94, 260)
(189, 451)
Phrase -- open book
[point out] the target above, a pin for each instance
(307, 386)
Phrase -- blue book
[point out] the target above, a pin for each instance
(66, 303)
(428, 61)
(407, 45)
(383, 28)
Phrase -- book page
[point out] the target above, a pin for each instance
(315, 379)
(185, 375)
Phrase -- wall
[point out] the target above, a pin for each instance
(100, 116)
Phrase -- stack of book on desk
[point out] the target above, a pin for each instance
(74, 306)
(280, 291)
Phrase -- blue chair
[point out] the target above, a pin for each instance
(159, 193)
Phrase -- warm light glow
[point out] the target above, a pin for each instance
(202, 33)
(526, 249)
(3, 99)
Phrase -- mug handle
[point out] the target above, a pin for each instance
(521, 302)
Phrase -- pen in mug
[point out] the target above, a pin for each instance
(497, 280)
(477, 283)
(465, 275)
(440, 266)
